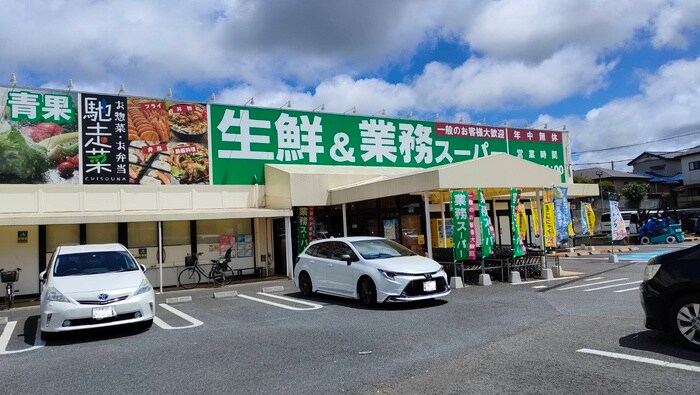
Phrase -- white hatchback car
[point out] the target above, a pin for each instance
(371, 269)
(94, 285)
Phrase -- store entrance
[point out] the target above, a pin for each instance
(280, 246)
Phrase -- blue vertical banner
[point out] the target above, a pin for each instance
(562, 214)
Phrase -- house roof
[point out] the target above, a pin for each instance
(654, 178)
(668, 155)
(605, 174)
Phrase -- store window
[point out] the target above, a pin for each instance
(143, 234)
(57, 235)
(176, 233)
(208, 232)
(102, 233)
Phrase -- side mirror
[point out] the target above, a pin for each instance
(42, 276)
(347, 258)
(143, 267)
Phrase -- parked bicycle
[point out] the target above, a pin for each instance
(220, 272)
(9, 277)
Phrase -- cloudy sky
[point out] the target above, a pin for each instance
(623, 76)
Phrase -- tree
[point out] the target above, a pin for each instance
(607, 187)
(582, 180)
(635, 192)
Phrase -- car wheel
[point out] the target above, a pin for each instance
(305, 285)
(645, 240)
(684, 320)
(368, 292)
(670, 239)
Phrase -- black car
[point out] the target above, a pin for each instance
(670, 295)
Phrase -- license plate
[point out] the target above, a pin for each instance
(99, 313)
(429, 286)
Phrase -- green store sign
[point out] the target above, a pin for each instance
(244, 139)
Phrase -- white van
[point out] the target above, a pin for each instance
(631, 220)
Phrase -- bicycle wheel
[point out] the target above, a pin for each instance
(228, 275)
(218, 276)
(189, 278)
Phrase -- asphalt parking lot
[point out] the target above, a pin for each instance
(264, 337)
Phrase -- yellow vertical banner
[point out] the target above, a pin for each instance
(535, 217)
(521, 220)
(590, 217)
(550, 229)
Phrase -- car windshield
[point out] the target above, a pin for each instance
(380, 249)
(86, 263)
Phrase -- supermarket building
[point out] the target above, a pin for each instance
(168, 178)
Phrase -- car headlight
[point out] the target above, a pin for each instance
(53, 295)
(387, 275)
(144, 287)
(650, 269)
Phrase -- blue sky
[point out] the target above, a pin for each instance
(615, 73)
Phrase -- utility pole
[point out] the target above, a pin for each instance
(612, 165)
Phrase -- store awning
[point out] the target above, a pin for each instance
(289, 186)
(495, 174)
(300, 185)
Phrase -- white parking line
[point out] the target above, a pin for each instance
(650, 361)
(314, 306)
(627, 290)
(588, 285)
(7, 335)
(540, 281)
(195, 322)
(612, 286)
(593, 279)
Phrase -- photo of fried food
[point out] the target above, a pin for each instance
(145, 124)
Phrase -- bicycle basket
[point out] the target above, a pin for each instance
(8, 276)
(189, 261)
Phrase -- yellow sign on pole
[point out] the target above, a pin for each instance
(550, 229)
(535, 217)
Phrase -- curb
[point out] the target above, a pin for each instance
(179, 299)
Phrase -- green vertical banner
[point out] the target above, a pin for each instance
(487, 239)
(460, 225)
(303, 228)
(517, 239)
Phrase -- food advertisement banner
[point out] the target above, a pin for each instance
(244, 139)
(104, 140)
(38, 133)
(168, 142)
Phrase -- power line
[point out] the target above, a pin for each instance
(690, 132)
(600, 163)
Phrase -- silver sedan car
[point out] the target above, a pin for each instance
(371, 269)
(91, 286)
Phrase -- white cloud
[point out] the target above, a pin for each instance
(668, 106)
(674, 22)
(533, 30)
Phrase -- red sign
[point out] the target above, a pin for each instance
(152, 106)
(478, 131)
(535, 136)
(183, 108)
(153, 149)
(185, 149)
